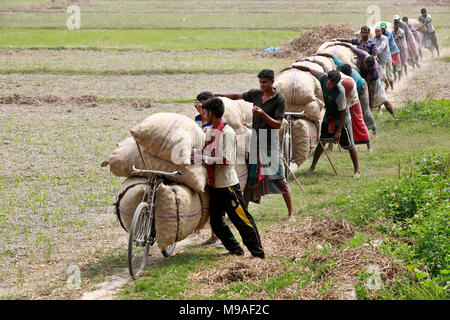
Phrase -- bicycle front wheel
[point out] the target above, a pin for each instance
(138, 240)
(287, 152)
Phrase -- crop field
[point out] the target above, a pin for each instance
(68, 96)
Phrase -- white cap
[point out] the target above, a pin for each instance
(396, 17)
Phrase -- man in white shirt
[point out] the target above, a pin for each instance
(384, 58)
(219, 155)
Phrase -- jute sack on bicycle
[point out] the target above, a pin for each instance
(302, 91)
(304, 140)
(326, 63)
(131, 193)
(179, 212)
(297, 86)
(169, 136)
(126, 154)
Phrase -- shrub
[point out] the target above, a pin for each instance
(434, 112)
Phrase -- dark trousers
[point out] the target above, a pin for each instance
(229, 200)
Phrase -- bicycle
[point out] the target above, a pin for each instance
(142, 233)
(286, 143)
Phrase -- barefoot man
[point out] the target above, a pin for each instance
(336, 124)
(265, 168)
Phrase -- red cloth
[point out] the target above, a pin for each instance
(210, 150)
(396, 58)
(360, 132)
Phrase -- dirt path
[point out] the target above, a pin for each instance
(108, 289)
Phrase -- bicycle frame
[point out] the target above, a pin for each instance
(154, 181)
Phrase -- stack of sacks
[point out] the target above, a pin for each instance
(304, 139)
(183, 201)
(343, 53)
(303, 93)
(327, 64)
(301, 90)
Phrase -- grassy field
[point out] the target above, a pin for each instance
(73, 97)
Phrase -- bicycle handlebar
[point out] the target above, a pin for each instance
(163, 173)
(295, 113)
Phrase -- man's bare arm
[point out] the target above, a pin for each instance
(273, 123)
(232, 96)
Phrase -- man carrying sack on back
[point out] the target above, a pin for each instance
(265, 168)
(219, 156)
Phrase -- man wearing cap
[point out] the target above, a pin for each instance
(265, 168)
(396, 65)
(413, 53)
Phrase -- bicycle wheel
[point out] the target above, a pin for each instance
(138, 241)
(167, 252)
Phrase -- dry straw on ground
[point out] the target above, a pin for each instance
(308, 43)
(290, 242)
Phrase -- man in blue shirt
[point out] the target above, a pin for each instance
(200, 118)
(363, 92)
(336, 124)
(363, 43)
(395, 53)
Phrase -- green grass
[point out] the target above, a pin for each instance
(136, 62)
(184, 39)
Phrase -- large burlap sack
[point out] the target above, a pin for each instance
(178, 213)
(243, 140)
(297, 86)
(343, 53)
(126, 154)
(327, 64)
(204, 201)
(169, 136)
(131, 194)
(312, 65)
(416, 23)
(233, 113)
(247, 114)
(304, 140)
(242, 173)
(312, 109)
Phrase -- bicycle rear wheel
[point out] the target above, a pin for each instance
(138, 240)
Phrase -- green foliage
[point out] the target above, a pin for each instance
(415, 206)
(433, 112)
